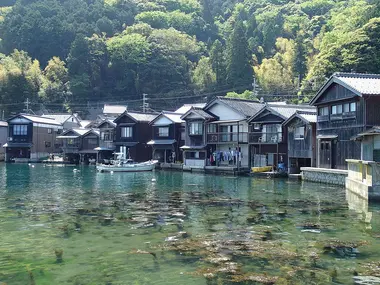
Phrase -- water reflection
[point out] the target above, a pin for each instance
(359, 205)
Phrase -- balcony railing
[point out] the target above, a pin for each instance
(107, 144)
(268, 138)
(241, 137)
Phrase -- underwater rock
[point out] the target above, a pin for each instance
(342, 248)
(258, 278)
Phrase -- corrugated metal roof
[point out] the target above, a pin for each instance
(246, 107)
(41, 120)
(114, 109)
(311, 118)
(61, 118)
(142, 117)
(288, 110)
(3, 124)
(186, 107)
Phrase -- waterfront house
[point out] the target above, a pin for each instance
(167, 137)
(348, 104)
(134, 132)
(3, 138)
(68, 121)
(106, 148)
(227, 137)
(268, 137)
(195, 151)
(31, 138)
(79, 145)
(113, 111)
(301, 140)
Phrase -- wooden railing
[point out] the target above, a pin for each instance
(269, 138)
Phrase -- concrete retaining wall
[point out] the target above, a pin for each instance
(324, 175)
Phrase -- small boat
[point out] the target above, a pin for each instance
(127, 165)
(123, 164)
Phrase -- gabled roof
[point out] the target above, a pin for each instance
(186, 107)
(247, 108)
(373, 131)
(106, 121)
(78, 131)
(61, 118)
(85, 123)
(137, 116)
(172, 116)
(359, 83)
(37, 119)
(114, 109)
(307, 117)
(283, 111)
(3, 124)
(200, 112)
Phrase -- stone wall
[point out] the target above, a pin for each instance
(324, 175)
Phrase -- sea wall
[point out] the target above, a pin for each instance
(324, 175)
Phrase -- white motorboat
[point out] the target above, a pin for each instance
(121, 164)
(127, 166)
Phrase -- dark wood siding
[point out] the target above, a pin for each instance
(372, 111)
(300, 148)
(335, 93)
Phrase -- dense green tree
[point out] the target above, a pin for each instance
(204, 77)
(218, 62)
(239, 59)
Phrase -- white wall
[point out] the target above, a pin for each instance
(225, 113)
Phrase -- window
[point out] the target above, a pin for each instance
(50, 131)
(163, 131)
(353, 107)
(211, 128)
(256, 126)
(20, 130)
(323, 111)
(299, 133)
(47, 144)
(92, 141)
(336, 109)
(196, 128)
(346, 107)
(126, 132)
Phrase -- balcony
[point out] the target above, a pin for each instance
(70, 148)
(219, 138)
(107, 145)
(265, 138)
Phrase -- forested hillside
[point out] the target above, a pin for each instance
(66, 53)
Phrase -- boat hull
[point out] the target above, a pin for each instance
(146, 166)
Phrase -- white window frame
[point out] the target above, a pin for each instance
(163, 131)
(126, 132)
(299, 133)
(196, 128)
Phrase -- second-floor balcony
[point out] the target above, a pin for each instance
(107, 145)
(227, 137)
(267, 138)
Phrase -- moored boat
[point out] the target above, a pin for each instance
(122, 164)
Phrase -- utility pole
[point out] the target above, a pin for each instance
(27, 109)
(145, 105)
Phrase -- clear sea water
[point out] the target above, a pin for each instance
(72, 225)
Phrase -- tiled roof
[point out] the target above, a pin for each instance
(114, 109)
(61, 118)
(200, 112)
(41, 120)
(142, 117)
(106, 121)
(246, 107)
(365, 84)
(85, 123)
(3, 124)
(359, 83)
(185, 108)
(80, 131)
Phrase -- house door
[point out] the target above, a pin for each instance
(325, 154)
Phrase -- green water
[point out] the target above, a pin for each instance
(178, 228)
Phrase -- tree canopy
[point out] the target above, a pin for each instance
(68, 53)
